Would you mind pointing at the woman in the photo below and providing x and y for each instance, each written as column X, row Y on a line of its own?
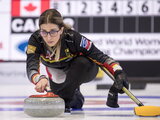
column 68, row 57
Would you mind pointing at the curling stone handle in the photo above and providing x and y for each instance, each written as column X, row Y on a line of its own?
column 47, row 95
column 49, row 92
column 48, row 89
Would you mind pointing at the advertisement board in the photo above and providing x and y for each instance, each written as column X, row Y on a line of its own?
column 131, row 33
column 126, row 34
column 19, row 46
column 126, row 47
column 5, row 36
column 127, row 30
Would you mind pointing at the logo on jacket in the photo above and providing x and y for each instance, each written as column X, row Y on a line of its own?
column 67, row 52
column 85, row 43
column 31, row 49
column 69, row 56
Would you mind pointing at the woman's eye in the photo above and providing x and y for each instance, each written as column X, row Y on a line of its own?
column 53, row 31
column 43, row 32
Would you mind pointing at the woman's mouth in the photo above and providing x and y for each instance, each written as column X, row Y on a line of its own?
column 50, row 42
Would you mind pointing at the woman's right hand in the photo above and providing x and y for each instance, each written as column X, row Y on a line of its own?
column 41, row 85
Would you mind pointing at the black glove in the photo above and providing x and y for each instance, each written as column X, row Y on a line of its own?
column 112, row 100
column 120, row 81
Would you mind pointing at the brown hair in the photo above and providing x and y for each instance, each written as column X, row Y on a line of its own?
column 52, row 16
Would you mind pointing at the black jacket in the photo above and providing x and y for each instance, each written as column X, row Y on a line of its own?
column 72, row 44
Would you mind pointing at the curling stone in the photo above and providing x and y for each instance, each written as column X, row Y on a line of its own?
column 48, row 105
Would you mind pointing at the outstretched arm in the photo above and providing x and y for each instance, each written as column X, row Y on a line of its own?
column 87, row 48
column 33, row 64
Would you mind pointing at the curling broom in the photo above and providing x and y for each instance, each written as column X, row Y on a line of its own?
column 141, row 110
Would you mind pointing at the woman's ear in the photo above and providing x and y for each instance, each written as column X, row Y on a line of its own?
column 61, row 31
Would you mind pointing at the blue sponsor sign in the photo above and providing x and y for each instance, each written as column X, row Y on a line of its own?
column 22, row 46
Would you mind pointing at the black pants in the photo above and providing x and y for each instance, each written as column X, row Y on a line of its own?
column 81, row 70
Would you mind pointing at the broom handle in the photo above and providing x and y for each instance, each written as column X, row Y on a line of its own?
column 139, row 103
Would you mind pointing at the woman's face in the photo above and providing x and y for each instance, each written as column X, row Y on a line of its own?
column 50, row 33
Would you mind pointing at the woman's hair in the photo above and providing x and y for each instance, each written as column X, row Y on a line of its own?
column 54, row 17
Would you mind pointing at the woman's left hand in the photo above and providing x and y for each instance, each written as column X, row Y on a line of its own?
column 121, row 81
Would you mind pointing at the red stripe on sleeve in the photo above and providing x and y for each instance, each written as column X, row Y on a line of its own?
column 15, row 8
column 109, row 68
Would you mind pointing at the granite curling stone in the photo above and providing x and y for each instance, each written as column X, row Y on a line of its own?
column 48, row 105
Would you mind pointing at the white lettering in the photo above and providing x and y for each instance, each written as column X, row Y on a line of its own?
column 17, row 25
column 142, row 52
column 119, row 42
column 24, row 25
column 148, row 42
column 29, row 25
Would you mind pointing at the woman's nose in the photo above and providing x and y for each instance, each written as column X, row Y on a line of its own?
column 49, row 37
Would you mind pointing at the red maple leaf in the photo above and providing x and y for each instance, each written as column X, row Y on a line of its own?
column 30, row 7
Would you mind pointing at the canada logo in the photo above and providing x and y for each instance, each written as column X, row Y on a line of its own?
column 29, row 8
